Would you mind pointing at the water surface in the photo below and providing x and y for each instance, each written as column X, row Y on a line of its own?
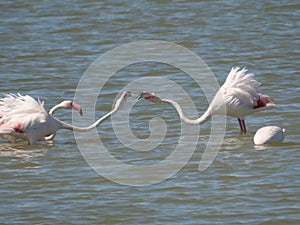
column 47, row 45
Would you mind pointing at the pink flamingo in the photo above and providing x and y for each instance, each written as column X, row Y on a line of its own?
column 12, row 103
column 30, row 121
column 241, row 97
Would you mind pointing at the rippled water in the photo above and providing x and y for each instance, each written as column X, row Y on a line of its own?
column 47, row 45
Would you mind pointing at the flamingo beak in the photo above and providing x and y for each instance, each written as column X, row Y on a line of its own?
column 124, row 96
column 77, row 108
column 127, row 94
column 148, row 96
column 139, row 97
column 143, row 94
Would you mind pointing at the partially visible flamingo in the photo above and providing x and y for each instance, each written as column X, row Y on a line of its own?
column 38, row 124
column 12, row 103
column 241, row 97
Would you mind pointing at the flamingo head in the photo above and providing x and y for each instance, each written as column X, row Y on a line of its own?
column 71, row 105
column 265, row 101
column 125, row 95
column 122, row 99
column 150, row 96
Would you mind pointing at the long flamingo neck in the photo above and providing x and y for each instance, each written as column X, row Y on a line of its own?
column 54, row 108
column 178, row 108
column 95, row 124
column 118, row 104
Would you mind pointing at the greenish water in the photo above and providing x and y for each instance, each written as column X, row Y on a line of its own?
column 46, row 47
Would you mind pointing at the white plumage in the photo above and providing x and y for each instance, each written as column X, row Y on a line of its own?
column 12, row 104
column 241, row 94
column 269, row 135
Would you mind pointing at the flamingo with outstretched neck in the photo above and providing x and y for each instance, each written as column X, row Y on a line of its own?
column 239, row 94
column 38, row 124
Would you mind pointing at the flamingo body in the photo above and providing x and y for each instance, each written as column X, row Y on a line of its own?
column 269, row 135
column 241, row 96
column 23, row 117
column 32, row 127
column 16, row 108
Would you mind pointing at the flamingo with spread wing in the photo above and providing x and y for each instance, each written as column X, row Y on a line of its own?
column 239, row 95
column 30, row 121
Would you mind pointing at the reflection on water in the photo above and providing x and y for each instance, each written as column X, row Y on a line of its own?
column 46, row 47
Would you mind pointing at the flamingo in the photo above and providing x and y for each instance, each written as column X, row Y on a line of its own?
column 269, row 135
column 10, row 102
column 33, row 123
column 241, row 97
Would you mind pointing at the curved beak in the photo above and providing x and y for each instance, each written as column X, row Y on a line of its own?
column 144, row 95
column 124, row 96
column 148, row 96
column 127, row 94
column 77, row 108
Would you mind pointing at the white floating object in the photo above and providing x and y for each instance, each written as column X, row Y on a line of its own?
column 269, row 135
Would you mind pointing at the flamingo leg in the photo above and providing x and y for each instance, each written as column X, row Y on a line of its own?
column 240, row 123
column 242, row 126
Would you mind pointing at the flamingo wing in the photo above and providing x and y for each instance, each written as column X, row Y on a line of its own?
column 12, row 104
column 241, row 89
column 242, row 86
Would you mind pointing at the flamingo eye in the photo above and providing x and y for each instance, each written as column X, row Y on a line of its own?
column 70, row 104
